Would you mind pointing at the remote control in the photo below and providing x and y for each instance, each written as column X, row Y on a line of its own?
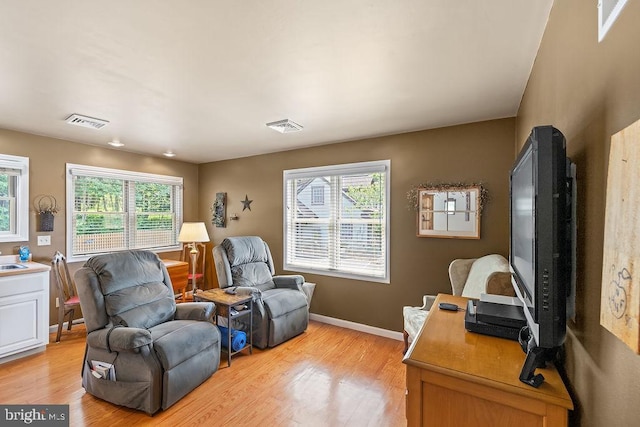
column 447, row 306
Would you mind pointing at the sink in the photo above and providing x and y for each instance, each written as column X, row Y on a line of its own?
column 12, row 266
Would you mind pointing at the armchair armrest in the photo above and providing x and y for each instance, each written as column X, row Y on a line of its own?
column 427, row 302
column 291, row 281
column 256, row 294
column 458, row 272
column 195, row 311
column 120, row 339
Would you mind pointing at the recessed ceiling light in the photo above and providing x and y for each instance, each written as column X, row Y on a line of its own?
column 285, row 126
column 86, row 121
column 169, row 153
column 115, row 143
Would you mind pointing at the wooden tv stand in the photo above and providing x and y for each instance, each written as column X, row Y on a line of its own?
column 458, row 378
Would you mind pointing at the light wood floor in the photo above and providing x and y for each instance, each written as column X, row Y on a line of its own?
column 328, row 376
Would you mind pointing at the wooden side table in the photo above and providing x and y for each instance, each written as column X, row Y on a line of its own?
column 225, row 304
column 460, row 378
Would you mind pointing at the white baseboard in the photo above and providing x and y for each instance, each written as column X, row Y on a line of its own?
column 356, row 326
column 312, row 316
column 54, row 328
column 22, row 354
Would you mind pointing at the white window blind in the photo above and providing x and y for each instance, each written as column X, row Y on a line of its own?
column 113, row 210
column 345, row 236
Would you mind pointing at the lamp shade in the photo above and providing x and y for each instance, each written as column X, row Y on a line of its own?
column 193, row 232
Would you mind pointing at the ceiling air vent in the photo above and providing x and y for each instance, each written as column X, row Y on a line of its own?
column 86, row 122
column 285, row 126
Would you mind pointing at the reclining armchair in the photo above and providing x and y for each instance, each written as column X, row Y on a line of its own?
column 280, row 303
column 469, row 278
column 160, row 351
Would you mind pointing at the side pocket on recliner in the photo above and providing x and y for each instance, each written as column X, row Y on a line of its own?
column 134, row 394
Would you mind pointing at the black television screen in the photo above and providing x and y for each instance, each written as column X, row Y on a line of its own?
column 523, row 223
column 540, row 237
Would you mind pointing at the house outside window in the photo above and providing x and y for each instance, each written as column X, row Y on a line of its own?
column 14, row 198
column 113, row 210
column 347, row 235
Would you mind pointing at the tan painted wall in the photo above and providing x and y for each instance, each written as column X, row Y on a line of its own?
column 480, row 152
column 589, row 91
column 47, row 160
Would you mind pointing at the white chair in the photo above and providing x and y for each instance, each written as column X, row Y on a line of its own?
column 469, row 278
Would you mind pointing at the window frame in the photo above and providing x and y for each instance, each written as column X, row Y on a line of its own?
column 21, row 214
column 127, row 176
column 378, row 166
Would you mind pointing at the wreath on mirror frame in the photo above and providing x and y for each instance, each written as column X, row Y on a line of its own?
column 412, row 195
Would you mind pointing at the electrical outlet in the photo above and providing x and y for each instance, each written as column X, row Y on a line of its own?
column 57, row 302
column 44, row 240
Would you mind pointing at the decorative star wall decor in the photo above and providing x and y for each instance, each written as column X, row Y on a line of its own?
column 246, row 203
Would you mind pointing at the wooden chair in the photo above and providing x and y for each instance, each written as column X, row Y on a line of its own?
column 199, row 271
column 68, row 300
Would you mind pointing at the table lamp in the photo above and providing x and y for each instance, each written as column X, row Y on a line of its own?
column 192, row 233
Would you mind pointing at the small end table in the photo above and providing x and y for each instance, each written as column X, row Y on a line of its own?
column 225, row 304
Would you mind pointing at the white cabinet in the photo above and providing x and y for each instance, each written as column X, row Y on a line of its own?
column 24, row 312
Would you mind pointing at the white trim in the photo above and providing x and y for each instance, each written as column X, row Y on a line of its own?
column 20, row 355
column 342, row 169
column 95, row 171
column 606, row 22
column 357, row 326
column 21, row 215
column 312, row 316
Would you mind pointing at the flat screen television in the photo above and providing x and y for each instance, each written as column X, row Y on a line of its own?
column 541, row 244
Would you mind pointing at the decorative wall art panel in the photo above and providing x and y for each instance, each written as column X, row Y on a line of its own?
column 219, row 210
column 620, row 298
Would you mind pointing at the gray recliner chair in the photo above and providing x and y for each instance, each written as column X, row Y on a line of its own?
column 160, row 351
column 281, row 303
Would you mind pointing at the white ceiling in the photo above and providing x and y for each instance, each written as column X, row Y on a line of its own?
column 202, row 77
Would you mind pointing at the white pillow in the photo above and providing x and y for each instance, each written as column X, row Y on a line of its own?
column 481, row 269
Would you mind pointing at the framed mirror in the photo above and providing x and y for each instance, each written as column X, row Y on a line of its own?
column 452, row 212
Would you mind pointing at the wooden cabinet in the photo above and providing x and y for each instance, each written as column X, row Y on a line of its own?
column 24, row 313
column 456, row 377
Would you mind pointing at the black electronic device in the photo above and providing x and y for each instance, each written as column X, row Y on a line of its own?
column 500, row 314
column 541, row 242
column 472, row 324
column 448, row 306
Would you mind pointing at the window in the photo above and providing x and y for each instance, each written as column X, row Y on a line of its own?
column 608, row 12
column 113, row 210
column 346, row 236
column 317, row 195
column 14, row 198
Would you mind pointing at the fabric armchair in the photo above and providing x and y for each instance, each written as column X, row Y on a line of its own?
column 160, row 351
column 280, row 303
column 470, row 278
